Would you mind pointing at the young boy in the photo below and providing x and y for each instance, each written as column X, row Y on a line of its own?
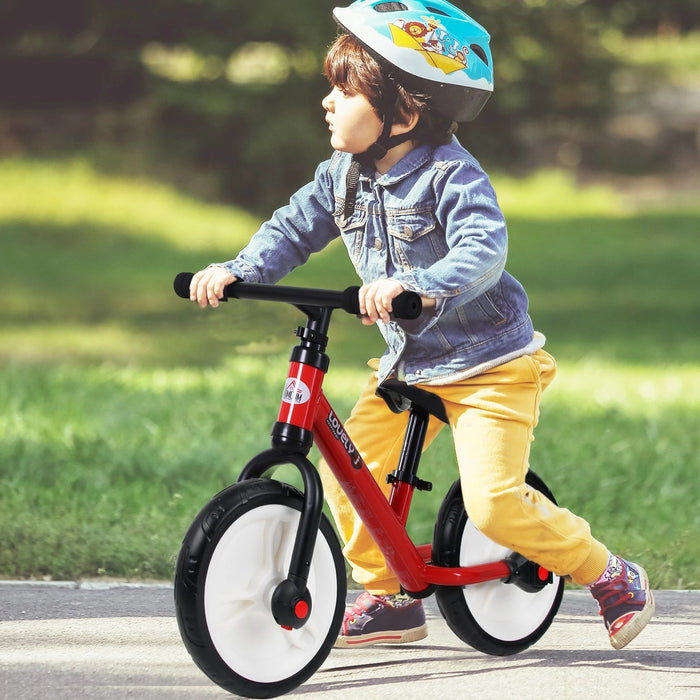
column 417, row 212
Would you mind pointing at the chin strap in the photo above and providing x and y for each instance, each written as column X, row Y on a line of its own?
column 377, row 150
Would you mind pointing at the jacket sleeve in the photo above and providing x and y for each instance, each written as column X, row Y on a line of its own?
column 293, row 233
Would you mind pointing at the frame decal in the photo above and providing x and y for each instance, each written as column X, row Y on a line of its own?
column 333, row 422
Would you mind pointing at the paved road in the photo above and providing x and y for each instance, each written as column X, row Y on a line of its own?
column 62, row 641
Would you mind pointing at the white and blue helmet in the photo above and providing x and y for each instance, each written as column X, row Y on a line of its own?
column 428, row 46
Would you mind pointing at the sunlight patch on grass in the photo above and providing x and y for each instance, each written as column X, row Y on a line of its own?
column 74, row 343
column 261, row 373
column 592, row 385
column 71, row 192
column 554, row 194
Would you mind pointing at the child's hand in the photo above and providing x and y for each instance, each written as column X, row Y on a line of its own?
column 207, row 286
column 376, row 298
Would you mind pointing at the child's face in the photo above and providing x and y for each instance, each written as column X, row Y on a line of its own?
column 352, row 121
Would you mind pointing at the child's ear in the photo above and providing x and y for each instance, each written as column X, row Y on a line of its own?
column 405, row 121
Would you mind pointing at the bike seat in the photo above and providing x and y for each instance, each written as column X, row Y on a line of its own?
column 399, row 397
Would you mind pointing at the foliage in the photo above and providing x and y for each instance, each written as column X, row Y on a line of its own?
column 671, row 16
column 159, row 81
column 662, row 60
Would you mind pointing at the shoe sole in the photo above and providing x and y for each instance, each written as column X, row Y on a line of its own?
column 622, row 638
column 387, row 637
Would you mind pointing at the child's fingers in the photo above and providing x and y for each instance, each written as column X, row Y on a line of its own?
column 376, row 299
column 207, row 286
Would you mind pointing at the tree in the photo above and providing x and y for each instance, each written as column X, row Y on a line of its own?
column 82, row 57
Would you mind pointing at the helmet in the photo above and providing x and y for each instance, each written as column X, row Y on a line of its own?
column 428, row 46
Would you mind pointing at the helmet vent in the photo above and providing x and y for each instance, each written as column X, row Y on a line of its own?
column 435, row 11
column 390, row 7
column 479, row 52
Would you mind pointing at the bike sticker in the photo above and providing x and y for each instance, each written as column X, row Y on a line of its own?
column 295, row 391
column 333, row 422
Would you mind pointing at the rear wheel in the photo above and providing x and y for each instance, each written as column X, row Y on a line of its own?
column 494, row 617
column 234, row 555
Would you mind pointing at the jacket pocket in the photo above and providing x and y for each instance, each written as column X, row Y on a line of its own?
column 410, row 225
column 357, row 219
column 418, row 241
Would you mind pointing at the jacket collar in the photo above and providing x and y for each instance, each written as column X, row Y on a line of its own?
column 411, row 162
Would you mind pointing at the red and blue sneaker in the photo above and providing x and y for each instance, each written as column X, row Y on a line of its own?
column 625, row 600
column 382, row 619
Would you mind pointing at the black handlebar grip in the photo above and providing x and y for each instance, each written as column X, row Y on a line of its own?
column 407, row 305
column 351, row 300
column 181, row 284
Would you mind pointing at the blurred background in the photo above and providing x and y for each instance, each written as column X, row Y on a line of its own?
column 141, row 139
column 223, row 96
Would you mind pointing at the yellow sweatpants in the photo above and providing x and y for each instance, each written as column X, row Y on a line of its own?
column 492, row 417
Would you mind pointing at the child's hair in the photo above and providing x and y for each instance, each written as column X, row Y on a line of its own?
column 353, row 69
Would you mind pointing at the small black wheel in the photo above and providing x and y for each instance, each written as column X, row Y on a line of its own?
column 234, row 555
column 493, row 617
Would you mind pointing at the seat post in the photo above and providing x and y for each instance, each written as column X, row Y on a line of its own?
column 404, row 479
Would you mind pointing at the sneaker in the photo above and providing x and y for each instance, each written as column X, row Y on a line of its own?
column 382, row 619
column 625, row 600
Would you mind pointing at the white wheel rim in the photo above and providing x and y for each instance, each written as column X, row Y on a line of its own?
column 250, row 560
column 504, row 611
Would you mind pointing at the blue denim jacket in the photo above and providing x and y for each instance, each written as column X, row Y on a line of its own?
column 432, row 223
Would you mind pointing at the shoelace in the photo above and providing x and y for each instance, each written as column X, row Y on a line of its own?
column 603, row 593
column 358, row 610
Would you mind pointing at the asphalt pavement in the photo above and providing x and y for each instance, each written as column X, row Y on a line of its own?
column 113, row 641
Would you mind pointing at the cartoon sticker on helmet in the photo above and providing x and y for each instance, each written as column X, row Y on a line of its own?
column 439, row 48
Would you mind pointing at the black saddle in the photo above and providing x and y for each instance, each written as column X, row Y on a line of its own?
column 400, row 396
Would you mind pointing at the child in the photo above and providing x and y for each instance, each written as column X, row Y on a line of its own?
column 417, row 212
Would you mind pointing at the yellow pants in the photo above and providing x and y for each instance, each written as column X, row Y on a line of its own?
column 492, row 417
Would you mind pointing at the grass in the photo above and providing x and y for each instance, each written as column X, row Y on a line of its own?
column 124, row 409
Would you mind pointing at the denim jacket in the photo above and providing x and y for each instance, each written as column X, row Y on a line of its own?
column 432, row 223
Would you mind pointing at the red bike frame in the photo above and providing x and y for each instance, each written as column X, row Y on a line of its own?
column 306, row 417
column 305, row 406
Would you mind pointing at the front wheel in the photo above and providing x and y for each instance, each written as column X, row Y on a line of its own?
column 493, row 617
column 234, row 555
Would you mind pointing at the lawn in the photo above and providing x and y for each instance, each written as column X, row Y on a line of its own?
column 124, row 408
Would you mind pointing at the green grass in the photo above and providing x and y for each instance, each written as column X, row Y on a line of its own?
column 124, row 408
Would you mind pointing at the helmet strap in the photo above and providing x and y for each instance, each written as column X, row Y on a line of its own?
column 381, row 146
column 378, row 149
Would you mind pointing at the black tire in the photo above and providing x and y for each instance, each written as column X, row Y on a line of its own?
column 493, row 617
column 233, row 556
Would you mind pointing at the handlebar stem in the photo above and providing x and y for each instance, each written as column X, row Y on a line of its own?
column 293, row 430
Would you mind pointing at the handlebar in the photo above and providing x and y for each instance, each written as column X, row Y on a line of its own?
column 407, row 305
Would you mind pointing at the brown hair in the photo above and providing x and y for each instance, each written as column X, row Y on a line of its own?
column 353, row 69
